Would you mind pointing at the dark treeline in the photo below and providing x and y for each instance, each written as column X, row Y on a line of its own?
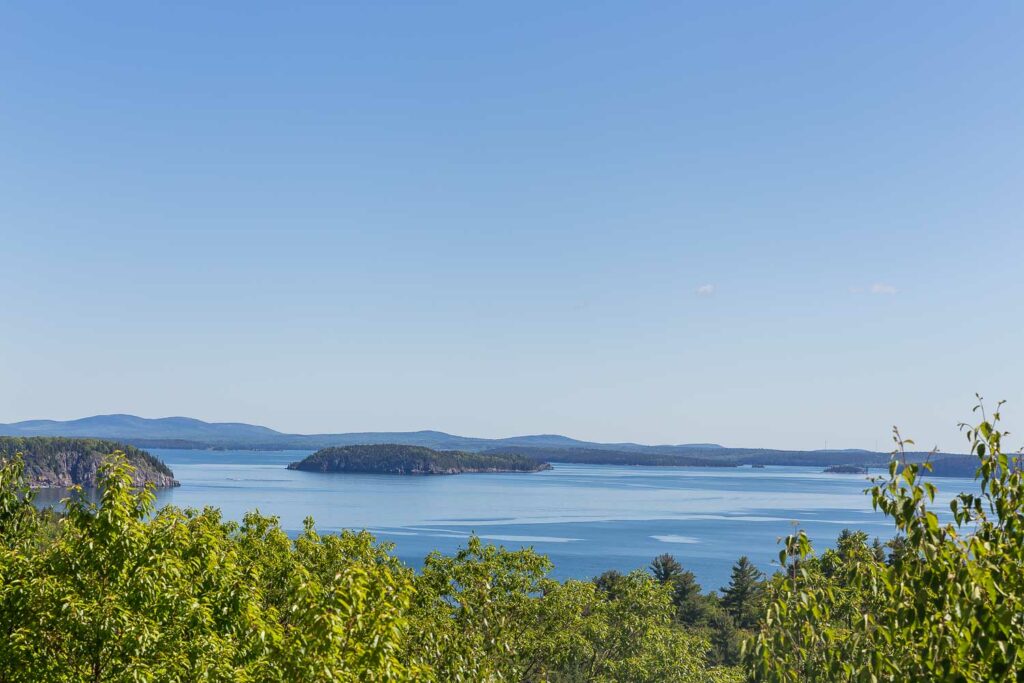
column 944, row 464
column 595, row 456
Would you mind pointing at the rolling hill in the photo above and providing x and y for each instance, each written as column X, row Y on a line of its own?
column 185, row 432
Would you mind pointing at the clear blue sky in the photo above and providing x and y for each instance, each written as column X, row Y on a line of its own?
column 769, row 224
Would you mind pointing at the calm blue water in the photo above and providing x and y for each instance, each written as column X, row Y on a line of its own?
column 586, row 518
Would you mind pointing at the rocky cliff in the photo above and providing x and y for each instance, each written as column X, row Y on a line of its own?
column 63, row 462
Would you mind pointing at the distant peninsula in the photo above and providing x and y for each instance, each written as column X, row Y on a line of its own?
column 399, row 459
column 57, row 462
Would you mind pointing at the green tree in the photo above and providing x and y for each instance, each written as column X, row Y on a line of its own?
column 488, row 613
column 878, row 549
column 665, row 568
column 18, row 520
column 726, row 640
column 471, row 610
column 692, row 607
column 741, row 597
column 586, row 635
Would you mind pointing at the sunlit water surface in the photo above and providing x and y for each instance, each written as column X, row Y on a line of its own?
column 586, row 518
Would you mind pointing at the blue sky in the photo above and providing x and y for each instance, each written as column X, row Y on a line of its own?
column 763, row 225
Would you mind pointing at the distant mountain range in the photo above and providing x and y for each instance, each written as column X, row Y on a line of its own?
column 186, row 432
column 189, row 432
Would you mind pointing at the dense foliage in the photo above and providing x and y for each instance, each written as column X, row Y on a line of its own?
column 946, row 604
column 61, row 461
column 603, row 456
column 399, row 459
column 118, row 591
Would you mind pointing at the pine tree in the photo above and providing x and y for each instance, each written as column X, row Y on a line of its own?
column 666, row 568
column 878, row 550
column 740, row 597
column 692, row 607
column 724, row 639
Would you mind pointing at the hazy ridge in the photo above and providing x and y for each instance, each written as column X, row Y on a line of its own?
column 190, row 433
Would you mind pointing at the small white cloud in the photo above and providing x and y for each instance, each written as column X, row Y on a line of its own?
column 881, row 288
column 705, row 290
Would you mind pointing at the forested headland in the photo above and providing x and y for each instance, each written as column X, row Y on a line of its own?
column 63, row 462
column 119, row 591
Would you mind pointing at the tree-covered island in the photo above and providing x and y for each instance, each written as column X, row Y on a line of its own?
column 398, row 459
column 845, row 469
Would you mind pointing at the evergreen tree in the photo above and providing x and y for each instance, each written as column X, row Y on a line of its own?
column 666, row 568
column 692, row 608
column 740, row 597
column 725, row 639
column 898, row 549
column 878, row 550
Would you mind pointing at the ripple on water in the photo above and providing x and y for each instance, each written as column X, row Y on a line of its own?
column 673, row 538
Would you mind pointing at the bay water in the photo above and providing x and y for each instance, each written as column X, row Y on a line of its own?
column 586, row 518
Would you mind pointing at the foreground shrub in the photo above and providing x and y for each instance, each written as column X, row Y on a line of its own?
column 946, row 605
column 125, row 594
